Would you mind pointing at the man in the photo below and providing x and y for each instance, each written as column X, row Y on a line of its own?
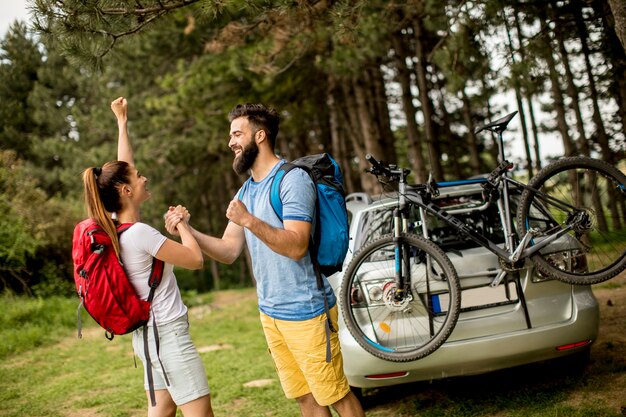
column 291, row 306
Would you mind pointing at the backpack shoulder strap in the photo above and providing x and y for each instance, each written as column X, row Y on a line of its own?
column 156, row 273
column 275, row 201
column 121, row 228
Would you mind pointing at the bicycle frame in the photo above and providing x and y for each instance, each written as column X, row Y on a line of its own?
column 420, row 196
column 509, row 253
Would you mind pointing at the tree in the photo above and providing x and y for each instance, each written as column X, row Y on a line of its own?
column 20, row 61
column 343, row 83
column 618, row 8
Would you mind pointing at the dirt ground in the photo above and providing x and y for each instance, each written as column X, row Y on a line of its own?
column 603, row 373
column 609, row 351
column 579, row 383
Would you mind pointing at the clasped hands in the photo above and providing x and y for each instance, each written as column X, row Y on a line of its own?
column 173, row 218
column 236, row 212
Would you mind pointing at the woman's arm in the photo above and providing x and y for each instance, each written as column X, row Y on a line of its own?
column 225, row 249
column 186, row 254
column 124, row 148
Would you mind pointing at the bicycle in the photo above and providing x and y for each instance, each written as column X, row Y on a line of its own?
column 401, row 295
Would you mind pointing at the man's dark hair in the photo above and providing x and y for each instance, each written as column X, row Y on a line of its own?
column 260, row 117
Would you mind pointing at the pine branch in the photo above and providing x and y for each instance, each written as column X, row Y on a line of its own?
column 143, row 11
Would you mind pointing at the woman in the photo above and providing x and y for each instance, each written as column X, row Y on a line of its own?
column 118, row 189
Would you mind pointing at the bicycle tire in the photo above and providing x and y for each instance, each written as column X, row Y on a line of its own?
column 418, row 325
column 594, row 250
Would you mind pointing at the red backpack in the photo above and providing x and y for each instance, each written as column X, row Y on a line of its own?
column 102, row 284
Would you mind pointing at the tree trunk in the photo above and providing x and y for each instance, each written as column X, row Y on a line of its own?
column 416, row 158
column 380, row 112
column 338, row 141
column 601, row 135
column 434, row 151
column 618, row 9
column 619, row 61
column 369, row 129
column 493, row 148
column 215, row 273
column 572, row 90
column 472, row 143
column 618, row 64
column 368, row 182
column 535, row 129
column 518, row 99
column 528, row 95
column 557, row 94
column 445, row 139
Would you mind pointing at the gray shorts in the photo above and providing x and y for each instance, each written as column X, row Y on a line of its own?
column 181, row 360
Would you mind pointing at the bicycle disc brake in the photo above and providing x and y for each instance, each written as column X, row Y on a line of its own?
column 390, row 299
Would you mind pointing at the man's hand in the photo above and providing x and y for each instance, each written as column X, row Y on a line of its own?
column 174, row 216
column 238, row 213
column 120, row 108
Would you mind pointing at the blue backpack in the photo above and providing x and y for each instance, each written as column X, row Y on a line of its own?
column 329, row 240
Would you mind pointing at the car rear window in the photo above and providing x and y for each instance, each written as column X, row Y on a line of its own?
column 469, row 208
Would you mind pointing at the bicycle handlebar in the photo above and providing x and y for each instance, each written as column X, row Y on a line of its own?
column 377, row 167
column 388, row 170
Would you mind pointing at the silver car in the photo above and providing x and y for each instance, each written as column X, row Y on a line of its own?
column 526, row 318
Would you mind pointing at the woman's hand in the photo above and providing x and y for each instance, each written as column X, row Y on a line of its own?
column 124, row 148
column 174, row 216
column 120, row 108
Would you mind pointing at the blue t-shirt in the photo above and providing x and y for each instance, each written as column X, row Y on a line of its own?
column 287, row 289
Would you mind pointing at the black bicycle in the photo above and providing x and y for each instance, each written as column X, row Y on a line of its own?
column 401, row 295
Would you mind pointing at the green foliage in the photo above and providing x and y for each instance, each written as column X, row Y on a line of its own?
column 182, row 70
column 19, row 63
column 33, row 228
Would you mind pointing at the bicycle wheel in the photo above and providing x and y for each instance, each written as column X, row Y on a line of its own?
column 585, row 199
column 407, row 329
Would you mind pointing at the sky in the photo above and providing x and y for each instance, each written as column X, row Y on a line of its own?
column 11, row 10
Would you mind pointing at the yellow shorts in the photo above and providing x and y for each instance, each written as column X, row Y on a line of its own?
column 299, row 352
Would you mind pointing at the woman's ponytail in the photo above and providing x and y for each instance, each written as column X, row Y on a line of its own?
column 102, row 196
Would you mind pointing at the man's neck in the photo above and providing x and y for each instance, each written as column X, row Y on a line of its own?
column 263, row 166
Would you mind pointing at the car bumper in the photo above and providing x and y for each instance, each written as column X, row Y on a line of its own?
column 469, row 356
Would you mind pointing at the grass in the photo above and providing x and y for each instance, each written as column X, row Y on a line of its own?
column 52, row 373
column 47, row 371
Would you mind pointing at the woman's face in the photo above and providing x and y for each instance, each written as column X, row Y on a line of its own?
column 138, row 185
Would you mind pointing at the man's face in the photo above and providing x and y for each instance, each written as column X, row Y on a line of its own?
column 243, row 144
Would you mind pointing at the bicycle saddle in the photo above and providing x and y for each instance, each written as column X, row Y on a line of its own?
column 499, row 125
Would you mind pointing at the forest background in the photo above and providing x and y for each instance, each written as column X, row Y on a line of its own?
column 407, row 81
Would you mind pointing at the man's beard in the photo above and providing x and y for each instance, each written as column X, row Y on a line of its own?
column 244, row 162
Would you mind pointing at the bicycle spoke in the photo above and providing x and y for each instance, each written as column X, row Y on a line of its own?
column 406, row 327
column 592, row 203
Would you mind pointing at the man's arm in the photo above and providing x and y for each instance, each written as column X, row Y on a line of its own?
column 225, row 249
column 292, row 241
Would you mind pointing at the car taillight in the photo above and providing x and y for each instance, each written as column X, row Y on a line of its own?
column 574, row 345
column 388, row 376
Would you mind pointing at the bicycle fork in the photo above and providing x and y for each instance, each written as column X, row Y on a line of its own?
column 402, row 258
